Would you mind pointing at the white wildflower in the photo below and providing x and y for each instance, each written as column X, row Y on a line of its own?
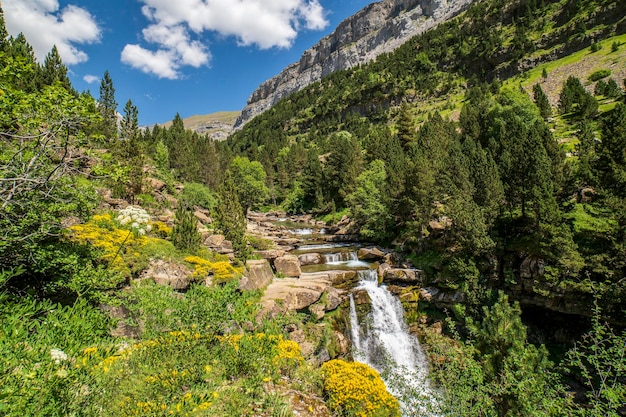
column 58, row 355
column 137, row 217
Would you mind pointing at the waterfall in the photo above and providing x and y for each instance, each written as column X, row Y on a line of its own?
column 355, row 331
column 336, row 258
column 388, row 347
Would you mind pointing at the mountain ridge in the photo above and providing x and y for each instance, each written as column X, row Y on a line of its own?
column 378, row 28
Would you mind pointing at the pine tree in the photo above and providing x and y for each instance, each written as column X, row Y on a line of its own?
column 541, row 100
column 4, row 34
column 185, row 235
column 612, row 151
column 406, row 126
column 54, row 70
column 108, row 107
column 130, row 121
column 230, row 218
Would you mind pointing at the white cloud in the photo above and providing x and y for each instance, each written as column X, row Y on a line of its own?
column 90, row 79
column 44, row 25
column 160, row 63
column 265, row 24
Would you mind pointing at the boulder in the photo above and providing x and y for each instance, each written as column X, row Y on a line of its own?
column 258, row 275
column 318, row 310
column 382, row 268
column 270, row 254
column 310, row 259
column 215, row 240
column 202, row 216
column 371, row 254
column 288, row 265
column 402, row 276
column 175, row 275
column 153, row 184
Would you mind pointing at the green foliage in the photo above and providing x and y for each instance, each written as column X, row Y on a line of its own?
column 249, row 179
column 195, row 194
column 597, row 361
column 230, row 217
column 185, row 235
column 39, row 344
column 542, row 101
column 108, row 108
column 517, row 372
column 598, row 75
column 369, row 203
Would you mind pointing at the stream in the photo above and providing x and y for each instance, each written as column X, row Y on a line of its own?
column 381, row 339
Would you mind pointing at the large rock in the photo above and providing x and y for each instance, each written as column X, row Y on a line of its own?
column 270, row 254
column 175, row 275
column 288, row 265
column 310, row 259
column 402, row 276
column 258, row 275
column 293, row 294
column 371, row 254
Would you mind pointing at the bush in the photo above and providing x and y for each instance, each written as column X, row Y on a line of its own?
column 196, row 194
column 355, row 389
column 598, row 75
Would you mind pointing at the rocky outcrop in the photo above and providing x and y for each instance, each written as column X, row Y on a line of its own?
column 288, row 266
column 403, row 276
column 293, row 294
column 258, row 275
column 175, row 275
column 379, row 28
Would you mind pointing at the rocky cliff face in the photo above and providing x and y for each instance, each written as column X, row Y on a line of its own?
column 378, row 28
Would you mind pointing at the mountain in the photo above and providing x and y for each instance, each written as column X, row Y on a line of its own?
column 216, row 125
column 379, row 28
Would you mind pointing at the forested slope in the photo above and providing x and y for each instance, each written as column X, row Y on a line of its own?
column 450, row 148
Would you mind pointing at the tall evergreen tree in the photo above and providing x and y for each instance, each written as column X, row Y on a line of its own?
column 185, row 235
column 229, row 216
column 108, row 107
column 54, row 70
column 130, row 121
column 405, row 125
column 4, row 34
column 612, row 151
column 541, row 100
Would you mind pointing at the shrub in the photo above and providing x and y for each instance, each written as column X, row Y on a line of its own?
column 598, row 75
column 196, row 194
column 357, row 390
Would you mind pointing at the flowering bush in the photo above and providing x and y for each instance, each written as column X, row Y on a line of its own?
column 357, row 390
column 137, row 218
column 222, row 269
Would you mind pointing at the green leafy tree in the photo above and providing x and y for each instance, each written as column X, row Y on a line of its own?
column 108, row 107
column 37, row 165
column 249, row 179
column 369, row 203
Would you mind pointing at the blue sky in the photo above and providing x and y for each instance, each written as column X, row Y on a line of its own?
column 169, row 56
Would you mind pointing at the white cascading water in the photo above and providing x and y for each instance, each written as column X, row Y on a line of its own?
column 336, row 258
column 384, row 343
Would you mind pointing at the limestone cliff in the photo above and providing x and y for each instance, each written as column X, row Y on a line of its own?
column 378, row 28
